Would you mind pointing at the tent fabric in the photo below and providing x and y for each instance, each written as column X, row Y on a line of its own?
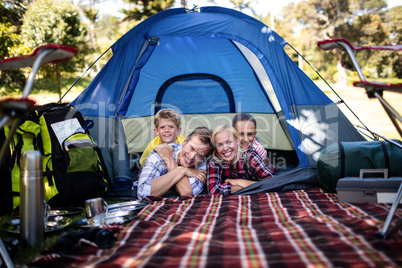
column 149, row 47
column 296, row 179
column 210, row 65
column 112, row 146
column 270, row 133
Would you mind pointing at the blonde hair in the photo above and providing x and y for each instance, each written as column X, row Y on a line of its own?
column 221, row 129
column 167, row 113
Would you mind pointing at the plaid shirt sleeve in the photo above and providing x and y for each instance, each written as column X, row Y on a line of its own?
column 196, row 184
column 215, row 183
column 154, row 167
column 256, row 166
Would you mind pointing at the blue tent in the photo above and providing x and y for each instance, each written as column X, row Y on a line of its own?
column 210, row 65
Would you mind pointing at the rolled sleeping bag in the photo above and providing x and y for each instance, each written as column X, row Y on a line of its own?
column 346, row 159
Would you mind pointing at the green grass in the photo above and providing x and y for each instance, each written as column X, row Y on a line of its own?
column 50, row 86
column 44, row 87
column 25, row 253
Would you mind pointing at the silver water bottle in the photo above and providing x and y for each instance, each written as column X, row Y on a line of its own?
column 32, row 220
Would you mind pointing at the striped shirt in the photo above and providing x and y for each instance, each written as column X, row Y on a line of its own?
column 155, row 167
column 259, row 149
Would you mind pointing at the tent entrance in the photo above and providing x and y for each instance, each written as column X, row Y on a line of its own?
column 292, row 113
column 196, row 93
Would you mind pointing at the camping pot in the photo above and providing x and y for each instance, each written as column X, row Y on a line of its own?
column 32, row 204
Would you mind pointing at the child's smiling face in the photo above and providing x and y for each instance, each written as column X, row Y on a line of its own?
column 167, row 131
column 247, row 132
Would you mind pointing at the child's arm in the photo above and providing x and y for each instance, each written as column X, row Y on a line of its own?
column 266, row 161
column 183, row 187
column 165, row 151
column 160, row 185
column 257, row 166
column 152, row 183
column 263, row 153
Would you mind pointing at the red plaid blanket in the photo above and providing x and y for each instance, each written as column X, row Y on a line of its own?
column 293, row 229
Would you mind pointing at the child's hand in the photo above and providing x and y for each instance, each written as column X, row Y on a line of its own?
column 165, row 151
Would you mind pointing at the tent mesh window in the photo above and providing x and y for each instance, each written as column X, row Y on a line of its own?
column 196, row 91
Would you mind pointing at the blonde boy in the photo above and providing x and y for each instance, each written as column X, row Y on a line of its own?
column 167, row 129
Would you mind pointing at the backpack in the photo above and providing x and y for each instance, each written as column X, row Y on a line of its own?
column 6, row 198
column 73, row 168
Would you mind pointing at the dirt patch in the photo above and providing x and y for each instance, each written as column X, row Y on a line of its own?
column 369, row 111
column 52, row 97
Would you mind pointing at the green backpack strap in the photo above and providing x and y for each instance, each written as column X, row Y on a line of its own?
column 25, row 139
column 104, row 168
column 6, row 193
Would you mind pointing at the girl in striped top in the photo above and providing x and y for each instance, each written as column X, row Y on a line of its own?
column 246, row 126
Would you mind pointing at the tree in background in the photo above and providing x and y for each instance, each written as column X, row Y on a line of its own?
column 145, row 8
column 286, row 27
column 393, row 21
column 92, row 14
column 359, row 21
column 109, row 30
column 103, row 30
column 11, row 13
column 242, row 5
column 56, row 22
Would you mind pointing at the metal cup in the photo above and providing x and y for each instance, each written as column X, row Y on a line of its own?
column 95, row 210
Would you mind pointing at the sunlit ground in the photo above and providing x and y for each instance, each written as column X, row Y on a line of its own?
column 369, row 111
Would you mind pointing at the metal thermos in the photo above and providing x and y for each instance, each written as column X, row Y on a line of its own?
column 32, row 220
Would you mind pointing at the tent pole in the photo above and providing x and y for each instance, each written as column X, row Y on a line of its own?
column 347, row 106
column 79, row 78
column 140, row 54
